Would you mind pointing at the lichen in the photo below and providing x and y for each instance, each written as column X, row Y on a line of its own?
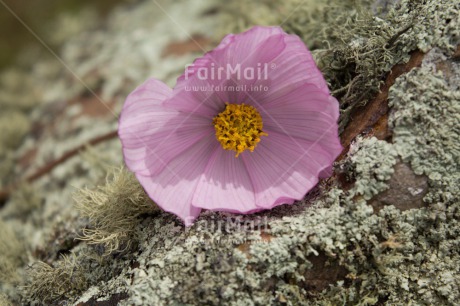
column 148, row 257
column 68, row 277
column 4, row 301
column 6, row 167
column 12, row 253
column 12, row 93
column 427, row 133
column 239, row 15
column 356, row 48
column 47, row 283
column 419, row 261
column 14, row 126
column 373, row 162
column 24, row 201
column 113, row 211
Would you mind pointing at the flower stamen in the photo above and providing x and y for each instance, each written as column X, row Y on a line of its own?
column 239, row 128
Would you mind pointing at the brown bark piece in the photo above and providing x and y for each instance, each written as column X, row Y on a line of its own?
column 374, row 113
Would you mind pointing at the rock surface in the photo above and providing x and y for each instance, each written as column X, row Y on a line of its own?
column 406, row 190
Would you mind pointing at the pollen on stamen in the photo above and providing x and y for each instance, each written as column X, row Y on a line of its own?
column 239, row 128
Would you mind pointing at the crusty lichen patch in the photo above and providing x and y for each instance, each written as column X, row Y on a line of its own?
column 425, row 124
column 418, row 262
column 373, row 162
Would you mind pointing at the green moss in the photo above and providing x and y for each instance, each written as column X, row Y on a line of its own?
column 113, row 211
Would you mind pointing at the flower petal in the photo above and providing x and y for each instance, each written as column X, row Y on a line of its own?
column 293, row 67
column 173, row 188
column 168, row 136
column 219, row 75
column 284, row 169
column 151, row 134
column 235, row 49
column 225, row 185
column 305, row 113
column 326, row 172
column 301, row 145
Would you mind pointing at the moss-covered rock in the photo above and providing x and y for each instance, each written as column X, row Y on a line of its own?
column 337, row 246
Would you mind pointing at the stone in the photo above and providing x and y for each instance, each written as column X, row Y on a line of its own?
column 406, row 190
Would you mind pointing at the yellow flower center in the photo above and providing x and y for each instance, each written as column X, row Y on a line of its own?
column 239, row 128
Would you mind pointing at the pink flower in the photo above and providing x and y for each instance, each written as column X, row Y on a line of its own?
column 249, row 126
